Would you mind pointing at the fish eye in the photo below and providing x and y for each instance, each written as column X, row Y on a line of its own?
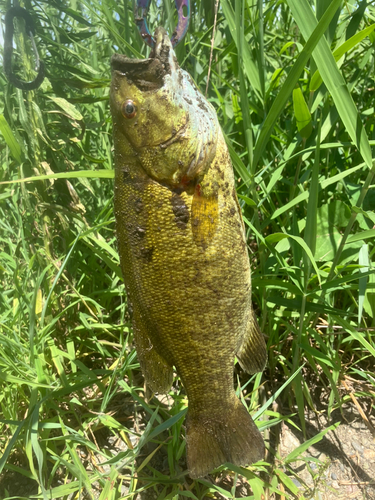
column 129, row 109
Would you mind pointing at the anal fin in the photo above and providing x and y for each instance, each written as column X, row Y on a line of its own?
column 158, row 373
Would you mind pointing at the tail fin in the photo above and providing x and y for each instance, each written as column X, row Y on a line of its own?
column 230, row 436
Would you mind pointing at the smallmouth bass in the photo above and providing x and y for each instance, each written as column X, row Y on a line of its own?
column 183, row 253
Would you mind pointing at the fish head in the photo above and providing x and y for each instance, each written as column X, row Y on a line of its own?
column 160, row 117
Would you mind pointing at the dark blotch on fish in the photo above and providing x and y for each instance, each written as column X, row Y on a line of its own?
column 140, row 232
column 180, row 211
column 138, row 205
column 146, row 253
column 126, row 176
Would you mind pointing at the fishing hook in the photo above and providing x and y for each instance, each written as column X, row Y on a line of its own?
column 8, row 49
column 140, row 14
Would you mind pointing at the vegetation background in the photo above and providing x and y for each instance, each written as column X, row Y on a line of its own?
column 293, row 85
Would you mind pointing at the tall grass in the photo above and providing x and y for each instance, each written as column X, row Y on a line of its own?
column 292, row 83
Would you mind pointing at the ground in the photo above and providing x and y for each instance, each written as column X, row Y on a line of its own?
column 348, row 455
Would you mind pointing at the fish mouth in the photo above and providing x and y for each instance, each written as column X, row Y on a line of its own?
column 148, row 74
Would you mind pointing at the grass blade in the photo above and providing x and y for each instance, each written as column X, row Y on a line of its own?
column 291, row 80
column 9, row 138
column 332, row 77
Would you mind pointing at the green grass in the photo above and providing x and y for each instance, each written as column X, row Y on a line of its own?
column 294, row 95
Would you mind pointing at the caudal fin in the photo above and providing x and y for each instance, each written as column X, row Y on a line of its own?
column 230, row 436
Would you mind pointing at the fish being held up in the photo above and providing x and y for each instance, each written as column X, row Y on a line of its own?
column 183, row 253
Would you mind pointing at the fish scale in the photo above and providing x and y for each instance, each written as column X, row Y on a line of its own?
column 183, row 253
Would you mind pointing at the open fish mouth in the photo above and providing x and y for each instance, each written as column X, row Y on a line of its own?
column 148, row 74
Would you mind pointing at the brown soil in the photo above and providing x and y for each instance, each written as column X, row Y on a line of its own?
column 346, row 454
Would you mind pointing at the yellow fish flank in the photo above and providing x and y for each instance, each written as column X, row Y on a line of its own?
column 183, row 253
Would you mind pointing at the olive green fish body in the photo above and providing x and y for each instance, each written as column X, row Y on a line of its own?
column 183, row 253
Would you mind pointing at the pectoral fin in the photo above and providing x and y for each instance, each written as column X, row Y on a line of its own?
column 204, row 217
column 252, row 355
